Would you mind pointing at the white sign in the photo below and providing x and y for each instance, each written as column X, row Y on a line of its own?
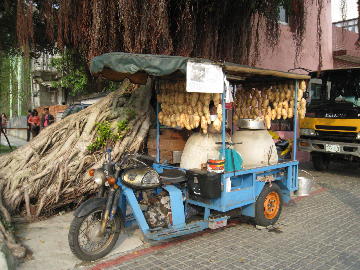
column 332, row 148
column 204, row 78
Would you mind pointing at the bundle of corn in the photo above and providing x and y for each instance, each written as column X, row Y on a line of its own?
column 276, row 102
column 187, row 110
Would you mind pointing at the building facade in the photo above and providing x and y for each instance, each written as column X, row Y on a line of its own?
column 43, row 74
column 345, row 51
column 283, row 56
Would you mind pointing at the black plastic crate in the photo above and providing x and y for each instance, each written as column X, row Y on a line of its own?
column 204, row 184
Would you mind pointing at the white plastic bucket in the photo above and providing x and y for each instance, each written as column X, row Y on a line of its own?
column 305, row 185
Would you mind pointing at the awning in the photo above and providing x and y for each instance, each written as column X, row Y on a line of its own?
column 137, row 67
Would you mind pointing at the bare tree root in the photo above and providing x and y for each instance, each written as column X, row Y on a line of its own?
column 6, row 232
column 52, row 167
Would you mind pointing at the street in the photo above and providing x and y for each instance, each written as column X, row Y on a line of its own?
column 317, row 232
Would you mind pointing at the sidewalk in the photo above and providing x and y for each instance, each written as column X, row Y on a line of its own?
column 48, row 240
column 14, row 141
column 319, row 232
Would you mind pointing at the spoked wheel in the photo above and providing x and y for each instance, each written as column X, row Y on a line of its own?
column 268, row 205
column 85, row 239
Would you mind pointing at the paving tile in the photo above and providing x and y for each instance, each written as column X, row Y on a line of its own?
column 319, row 232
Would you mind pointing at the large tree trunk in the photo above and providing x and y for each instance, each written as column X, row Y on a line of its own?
column 50, row 171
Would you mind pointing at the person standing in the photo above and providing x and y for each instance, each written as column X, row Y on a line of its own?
column 4, row 121
column 34, row 121
column 47, row 119
column 28, row 130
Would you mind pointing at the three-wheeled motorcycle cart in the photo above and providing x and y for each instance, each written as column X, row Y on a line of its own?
column 257, row 192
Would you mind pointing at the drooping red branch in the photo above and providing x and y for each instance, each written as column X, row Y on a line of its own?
column 319, row 32
column 219, row 30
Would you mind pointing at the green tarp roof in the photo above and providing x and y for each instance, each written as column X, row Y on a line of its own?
column 137, row 67
column 118, row 66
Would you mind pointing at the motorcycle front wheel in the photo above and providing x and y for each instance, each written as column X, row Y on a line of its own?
column 84, row 239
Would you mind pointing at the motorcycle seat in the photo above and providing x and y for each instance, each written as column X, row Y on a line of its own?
column 172, row 176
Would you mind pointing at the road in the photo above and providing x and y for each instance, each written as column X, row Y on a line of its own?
column 317, row 232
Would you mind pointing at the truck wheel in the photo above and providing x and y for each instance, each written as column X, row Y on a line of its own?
column 320, row 161
column 268, row 205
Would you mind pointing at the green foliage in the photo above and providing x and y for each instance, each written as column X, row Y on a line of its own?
column 107, row 135
column 15, row 84
column 6, row 149
column 73, row 74
column 111, row 86
column 122, row 125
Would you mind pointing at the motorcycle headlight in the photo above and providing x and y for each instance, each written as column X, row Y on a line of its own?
column 307, row 132
column 151, row 178
column 99, row 177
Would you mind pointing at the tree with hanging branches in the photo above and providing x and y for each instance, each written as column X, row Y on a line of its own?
column 50, row 171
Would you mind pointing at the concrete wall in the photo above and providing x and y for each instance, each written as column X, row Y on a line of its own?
column 19, row 125
column 46, row 96
column 282, row 57
column 344, row 40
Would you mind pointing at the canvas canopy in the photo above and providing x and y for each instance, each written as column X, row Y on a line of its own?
column 137, row 67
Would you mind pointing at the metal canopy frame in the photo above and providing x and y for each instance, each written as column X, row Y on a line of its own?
column 269, row 75
column 139, row 67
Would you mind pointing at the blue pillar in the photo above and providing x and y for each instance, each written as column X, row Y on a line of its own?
column 157, row 124
column 295, row 119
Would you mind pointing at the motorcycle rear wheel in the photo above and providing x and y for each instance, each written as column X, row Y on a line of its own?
column 87, row 227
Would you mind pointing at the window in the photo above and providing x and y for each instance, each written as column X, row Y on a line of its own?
column 315, row 91
column 283, row 15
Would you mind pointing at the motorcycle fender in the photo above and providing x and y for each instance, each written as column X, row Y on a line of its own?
column 86, row 207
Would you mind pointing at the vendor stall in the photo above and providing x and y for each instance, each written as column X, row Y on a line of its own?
column 230, row 160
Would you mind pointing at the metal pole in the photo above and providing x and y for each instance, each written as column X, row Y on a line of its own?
column 157, row 123
column 295, row 119
column 223, row 131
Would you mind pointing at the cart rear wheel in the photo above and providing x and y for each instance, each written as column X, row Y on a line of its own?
column 268, row 205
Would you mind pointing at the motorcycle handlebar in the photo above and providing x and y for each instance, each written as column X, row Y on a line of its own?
column 136, row 156
column 145, row 157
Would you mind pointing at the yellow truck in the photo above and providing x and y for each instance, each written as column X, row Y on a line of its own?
column 331, row 127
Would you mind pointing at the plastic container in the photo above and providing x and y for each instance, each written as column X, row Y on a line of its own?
column 216, row 166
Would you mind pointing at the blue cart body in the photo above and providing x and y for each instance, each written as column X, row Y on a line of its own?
column 246, row 185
